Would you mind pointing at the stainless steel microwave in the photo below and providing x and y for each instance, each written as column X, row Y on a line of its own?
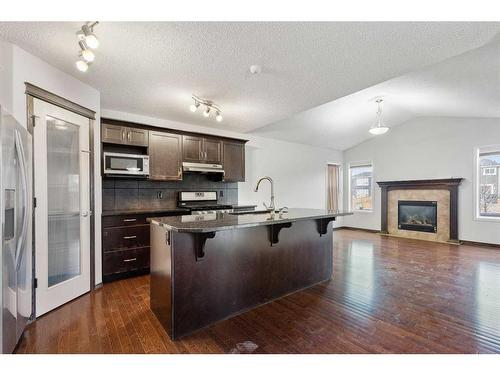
column 126, row 165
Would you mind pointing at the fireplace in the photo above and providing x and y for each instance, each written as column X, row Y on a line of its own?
column 420, row 216
column 444, row 191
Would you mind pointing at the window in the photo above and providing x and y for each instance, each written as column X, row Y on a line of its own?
column 489, row 171
column 488, row 184
column 360, row 180
column 363, row 181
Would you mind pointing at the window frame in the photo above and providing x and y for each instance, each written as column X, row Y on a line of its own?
column 477, row 184
column 370, row 185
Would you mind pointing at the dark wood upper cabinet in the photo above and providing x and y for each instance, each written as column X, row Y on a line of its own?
column 201, row 150
column 113, row 134
column 212, row 149
column 234, row 161
column 137, row 137
column 123, row 135
column 192, row 148
column 167, row 149
column 165, row 156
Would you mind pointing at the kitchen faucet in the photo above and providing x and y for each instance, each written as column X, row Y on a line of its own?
column 271, row 206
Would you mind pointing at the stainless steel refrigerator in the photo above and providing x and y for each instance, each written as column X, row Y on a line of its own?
column 16, row 206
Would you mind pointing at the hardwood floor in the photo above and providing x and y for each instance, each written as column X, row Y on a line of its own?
column 388, row 295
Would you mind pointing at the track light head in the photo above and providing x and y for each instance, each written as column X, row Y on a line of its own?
column 82, row 65
column 193, row 107
column 206, row 112
column 88, row 35
column 86, row 54
column 218, row 117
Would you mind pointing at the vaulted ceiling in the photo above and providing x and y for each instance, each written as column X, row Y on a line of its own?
column 317, row 83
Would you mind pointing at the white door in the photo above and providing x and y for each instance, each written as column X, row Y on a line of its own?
column 62, row 214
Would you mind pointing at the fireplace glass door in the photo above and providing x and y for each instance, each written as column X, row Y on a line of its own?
column 418, row 216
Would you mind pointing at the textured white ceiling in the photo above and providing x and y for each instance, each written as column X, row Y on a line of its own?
column 153, row 68
column 463, row 86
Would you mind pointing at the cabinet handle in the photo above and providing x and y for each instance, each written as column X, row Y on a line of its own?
column 123, row 134
column 130, row 260
column 179, row 171
column 129, row 220
column 129, row 237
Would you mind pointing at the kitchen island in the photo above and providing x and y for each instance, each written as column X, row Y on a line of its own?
column 206, row 268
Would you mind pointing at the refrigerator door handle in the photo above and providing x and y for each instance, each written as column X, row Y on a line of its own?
column 24, row 179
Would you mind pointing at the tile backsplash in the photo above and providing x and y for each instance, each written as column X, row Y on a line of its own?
column 128, row 194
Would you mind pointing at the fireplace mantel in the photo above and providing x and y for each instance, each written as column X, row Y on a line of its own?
column 450, row 184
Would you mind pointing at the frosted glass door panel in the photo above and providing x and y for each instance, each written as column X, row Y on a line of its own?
column 63, row 193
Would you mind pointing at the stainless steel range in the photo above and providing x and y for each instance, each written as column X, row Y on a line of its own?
column 202, row 202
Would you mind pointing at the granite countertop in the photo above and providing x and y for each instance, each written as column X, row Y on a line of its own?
column 243, row 206
column 166, row 210
column 149, row 211
column 225, row 221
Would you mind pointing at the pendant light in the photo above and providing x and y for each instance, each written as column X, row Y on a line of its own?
column 379, row 127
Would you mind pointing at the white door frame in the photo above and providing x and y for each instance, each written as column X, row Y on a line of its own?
column 48, row 298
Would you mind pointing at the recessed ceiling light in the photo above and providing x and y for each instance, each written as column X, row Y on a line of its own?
column 255, row 69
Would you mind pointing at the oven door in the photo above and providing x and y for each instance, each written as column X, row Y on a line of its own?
column 126, row 164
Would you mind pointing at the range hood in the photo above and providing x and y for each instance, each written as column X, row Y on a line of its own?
column 203, row 168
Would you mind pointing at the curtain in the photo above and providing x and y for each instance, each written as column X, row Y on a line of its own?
column 333, row 186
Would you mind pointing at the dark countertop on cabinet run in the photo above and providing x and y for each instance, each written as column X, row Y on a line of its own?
column 165, row 210
column 226, row 221
column 139, row 212
column 243, row 206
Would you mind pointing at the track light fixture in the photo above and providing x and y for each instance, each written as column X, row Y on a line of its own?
column 87, row 41
column 209, row 106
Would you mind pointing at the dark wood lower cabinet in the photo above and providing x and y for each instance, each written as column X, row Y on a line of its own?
column 125, row 245
column 121, row 261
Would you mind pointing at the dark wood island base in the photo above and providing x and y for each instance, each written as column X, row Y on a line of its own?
column 199, row 278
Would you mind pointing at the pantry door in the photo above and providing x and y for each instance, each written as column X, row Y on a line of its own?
column 62, row 213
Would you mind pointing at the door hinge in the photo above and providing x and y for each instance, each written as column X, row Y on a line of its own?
column 35, row 283
column 34, row 202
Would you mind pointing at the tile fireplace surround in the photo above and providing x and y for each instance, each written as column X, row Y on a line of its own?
column 443, row 191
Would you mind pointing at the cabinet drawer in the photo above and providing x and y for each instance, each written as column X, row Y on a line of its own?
column 125, row 237
column 123, row 220
column 125, row 260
